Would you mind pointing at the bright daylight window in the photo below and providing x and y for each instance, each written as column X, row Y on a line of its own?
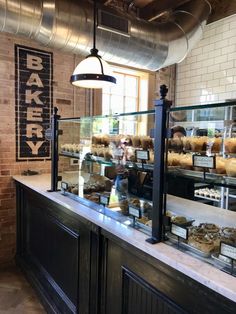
column 130, row 94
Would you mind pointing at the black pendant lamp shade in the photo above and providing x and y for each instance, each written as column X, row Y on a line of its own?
column 93, row 71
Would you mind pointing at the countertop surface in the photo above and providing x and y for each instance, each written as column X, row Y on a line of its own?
column 196, row 269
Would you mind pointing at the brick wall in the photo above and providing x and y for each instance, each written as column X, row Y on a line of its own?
column 70, row 101
column 208, row 74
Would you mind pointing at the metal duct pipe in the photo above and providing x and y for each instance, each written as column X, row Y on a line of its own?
column 68, row 25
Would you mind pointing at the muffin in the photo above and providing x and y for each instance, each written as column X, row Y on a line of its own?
column 146, row 142
column 214, row 144
column 186, row 161
column 220, row 166
column 124, row 206
column 186, row 143
column 175, row 144
column 136, row 141
column 198, row 144
column 230, row 145
column 230, row 166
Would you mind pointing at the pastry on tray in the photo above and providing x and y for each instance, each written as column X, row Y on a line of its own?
column 230, row 145
column 202, row 243
column 230, row 166
column 179, row 220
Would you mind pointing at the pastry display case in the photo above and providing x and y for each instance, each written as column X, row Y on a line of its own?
column 106, row 162
column 168, row 172
column 201, row 167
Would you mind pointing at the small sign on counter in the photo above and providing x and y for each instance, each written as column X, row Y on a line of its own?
column 179, row 231
column 134, row 211
column 119, row 152
column 204, row 161
column 104, row 199
column 228, row 250
column 142, row 154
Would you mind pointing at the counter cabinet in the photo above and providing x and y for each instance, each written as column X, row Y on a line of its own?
column 77, row 266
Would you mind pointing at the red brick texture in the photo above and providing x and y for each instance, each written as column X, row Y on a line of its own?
column 70, row 101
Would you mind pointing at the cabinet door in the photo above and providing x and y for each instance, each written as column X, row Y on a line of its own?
column 135, row 283
column 133, row 286
column 59, row 253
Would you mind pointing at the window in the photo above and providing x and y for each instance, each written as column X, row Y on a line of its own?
column 128, row 95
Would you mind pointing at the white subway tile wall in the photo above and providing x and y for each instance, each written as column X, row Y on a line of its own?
column 208, row 74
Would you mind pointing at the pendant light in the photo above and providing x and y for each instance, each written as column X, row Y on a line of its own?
column 93, row 72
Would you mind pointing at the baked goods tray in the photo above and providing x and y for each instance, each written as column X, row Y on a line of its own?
column 189, row 247
column 196, row 174
column 70, row 154
column 230, row 180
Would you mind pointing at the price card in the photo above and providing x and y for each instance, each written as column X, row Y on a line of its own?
column 204, row 161
column 179, row 231
column 104, row 199
column 134, row 211
column 64, row 185
column 228, row 250
column 142, row 154
column 119, row 152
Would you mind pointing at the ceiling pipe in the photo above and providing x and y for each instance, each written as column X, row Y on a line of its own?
column 68, row 26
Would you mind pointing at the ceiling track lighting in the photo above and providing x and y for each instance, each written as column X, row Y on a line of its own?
column 93, row 71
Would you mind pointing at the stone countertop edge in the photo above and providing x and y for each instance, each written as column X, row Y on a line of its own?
column 198, row 270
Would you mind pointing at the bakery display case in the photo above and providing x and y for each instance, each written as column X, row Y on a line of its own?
column 106, row 162
column 210, row 131
column 201, row 167
column 168, row 172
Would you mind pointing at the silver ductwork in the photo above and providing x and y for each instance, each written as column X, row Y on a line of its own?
column 68, row 26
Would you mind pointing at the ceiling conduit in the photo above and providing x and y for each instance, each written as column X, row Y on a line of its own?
column 122, row 39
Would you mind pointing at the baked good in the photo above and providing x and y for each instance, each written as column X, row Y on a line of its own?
column 75, row 190
column 146, row 142
column 214, row 144
column 135, row 202
column 230, row 145
column 186, row 143
column 220, row 166
column 179, row 220
column 174, row 159
column 175, row 144
column 201, row 243
column 198, row 144
column 230, row 166
column 209, row 227
column 229, row 232
column 186, row 161
column 105, row 140
column 136, row 141
column 124, row 206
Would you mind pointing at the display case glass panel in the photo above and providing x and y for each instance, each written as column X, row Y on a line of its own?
column 106, row 162
column 201, row 167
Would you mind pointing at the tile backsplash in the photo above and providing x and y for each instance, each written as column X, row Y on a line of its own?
column 208, row 74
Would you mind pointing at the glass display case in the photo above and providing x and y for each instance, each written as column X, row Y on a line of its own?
column 201, row 167
column 107, row 163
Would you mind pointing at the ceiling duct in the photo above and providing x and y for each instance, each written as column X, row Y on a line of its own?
column 68, row 25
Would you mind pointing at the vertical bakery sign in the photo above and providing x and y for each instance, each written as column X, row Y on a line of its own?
column 33, row 102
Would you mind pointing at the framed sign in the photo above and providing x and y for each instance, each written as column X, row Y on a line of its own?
column 134, row 211
column 142, row 154
column 104, row 199
column 34, row 102
column 228, row 250
column 179, row 231
column 204, row 161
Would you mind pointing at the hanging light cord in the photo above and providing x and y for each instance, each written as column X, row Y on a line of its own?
column 94, row 51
